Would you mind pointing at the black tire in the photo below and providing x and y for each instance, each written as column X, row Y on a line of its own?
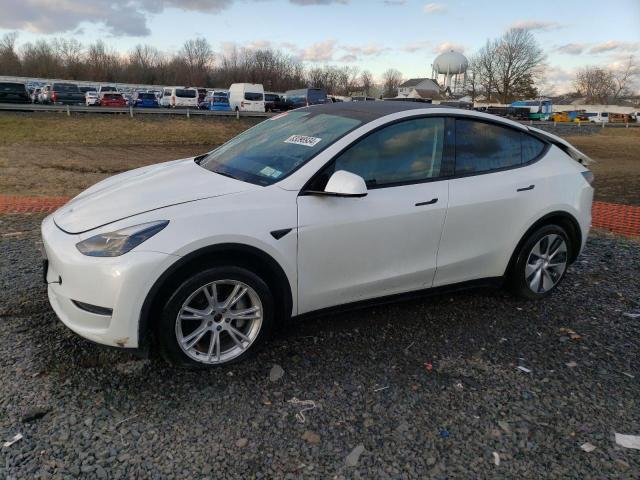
column 516, row 278
column 166, row 328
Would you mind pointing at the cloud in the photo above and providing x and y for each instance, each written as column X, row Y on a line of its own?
column 394, row 3
column 434, row 8
column 319, row 52
column 447, row 46
column 541, row 25
column 572, row 48
column 416, row 46
column 306, row 3
column 348, row 58
column 119, row 17
column 615, row 46
column 258, row 44
column 365, row 50
column 49, row 16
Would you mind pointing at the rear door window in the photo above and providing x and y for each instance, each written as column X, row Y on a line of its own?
column 531, row 147
column 482, row 147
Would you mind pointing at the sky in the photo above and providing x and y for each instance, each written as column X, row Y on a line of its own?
column 370, row 34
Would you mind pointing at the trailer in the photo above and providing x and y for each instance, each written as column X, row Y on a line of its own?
column 540, row 109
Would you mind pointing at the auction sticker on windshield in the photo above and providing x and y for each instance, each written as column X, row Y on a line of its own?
column 303, row 140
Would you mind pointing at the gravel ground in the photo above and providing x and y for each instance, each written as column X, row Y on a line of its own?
column 427, row 389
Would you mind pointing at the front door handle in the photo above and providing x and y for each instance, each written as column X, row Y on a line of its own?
column 530, row 187
column 430, row 202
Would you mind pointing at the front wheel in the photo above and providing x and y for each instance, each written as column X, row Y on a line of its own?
column 219, row 316
column 541, row 263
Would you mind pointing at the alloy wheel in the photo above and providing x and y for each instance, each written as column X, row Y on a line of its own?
column 219, row 321
column 546, row 263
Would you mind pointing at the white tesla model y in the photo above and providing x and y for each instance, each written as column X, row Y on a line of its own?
column 317, row 208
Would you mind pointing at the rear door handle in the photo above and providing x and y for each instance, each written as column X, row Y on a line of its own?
column 530, row 187
column 430, row 202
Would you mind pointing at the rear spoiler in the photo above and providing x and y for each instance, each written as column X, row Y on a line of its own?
column 563, row 145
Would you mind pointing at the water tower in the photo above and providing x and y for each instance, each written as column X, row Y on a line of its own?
column 453, row 66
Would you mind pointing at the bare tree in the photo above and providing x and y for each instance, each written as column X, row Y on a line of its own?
column 486, row 68
column 9, row 59
column 473, row 77
column 518, row 58
column 391, row 80
column 70, row 54
column 366, row 79
column 103, row 64
column 595, row 83
column 198, row 57
column 144, row 63
column 624, row 78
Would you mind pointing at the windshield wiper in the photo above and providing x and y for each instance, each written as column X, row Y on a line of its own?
column 225, row 174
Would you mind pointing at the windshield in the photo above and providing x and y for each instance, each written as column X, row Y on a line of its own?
column 273, row 149
column 12, row 87
column 65, row 87
column 184, row 93
column 253, row 96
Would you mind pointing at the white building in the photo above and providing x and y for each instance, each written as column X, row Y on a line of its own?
column 419, row 88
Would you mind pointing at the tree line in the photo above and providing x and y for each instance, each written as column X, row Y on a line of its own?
column 195, row 64
column 506, row 68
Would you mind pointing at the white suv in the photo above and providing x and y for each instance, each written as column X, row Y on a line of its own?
column 315, row 208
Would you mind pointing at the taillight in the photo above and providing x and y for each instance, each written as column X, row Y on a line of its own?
column 54, row 96
column 242, row 104
column 588, row 176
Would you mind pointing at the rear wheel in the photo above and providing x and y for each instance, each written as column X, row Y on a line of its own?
column 541, row 263
column 216, row 317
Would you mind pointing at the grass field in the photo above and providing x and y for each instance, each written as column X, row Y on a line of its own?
column 59, row 155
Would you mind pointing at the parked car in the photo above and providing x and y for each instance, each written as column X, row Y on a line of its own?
column 111, row 99
column 246, row 97
column 216, row 101
column 202, row 93
column 62, row 93
column 41, row 96
column 321, row 207
column 34, row 94
column 86, row 88
column 107, row 88
column 305, row 97
column 91, row 98
column 175, row 97
column 274, row 102
column 13, row 92
column 144, row 100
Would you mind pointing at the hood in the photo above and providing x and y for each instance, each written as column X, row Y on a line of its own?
column 142, row 190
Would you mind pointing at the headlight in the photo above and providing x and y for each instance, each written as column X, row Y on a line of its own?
column 114, row 244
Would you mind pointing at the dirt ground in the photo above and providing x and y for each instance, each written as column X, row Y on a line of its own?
column 58, row 156
column 617, row 168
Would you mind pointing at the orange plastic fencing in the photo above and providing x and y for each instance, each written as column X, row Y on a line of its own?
column 620, row 219
column 22, row 204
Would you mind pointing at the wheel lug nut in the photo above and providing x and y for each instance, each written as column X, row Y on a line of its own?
column 218, row 328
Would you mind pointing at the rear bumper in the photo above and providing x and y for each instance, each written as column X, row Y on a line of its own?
column 119, row 284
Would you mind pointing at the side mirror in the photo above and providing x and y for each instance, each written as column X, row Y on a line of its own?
column 346, row 184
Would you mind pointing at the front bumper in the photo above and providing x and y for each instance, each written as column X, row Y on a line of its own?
column 117, row 283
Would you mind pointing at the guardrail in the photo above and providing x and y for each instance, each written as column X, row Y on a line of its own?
column 131, row 111
column 188, row 112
